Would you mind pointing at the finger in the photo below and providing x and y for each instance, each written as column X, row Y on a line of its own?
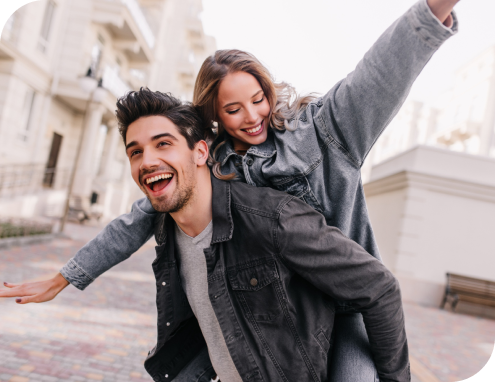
column 10, row 285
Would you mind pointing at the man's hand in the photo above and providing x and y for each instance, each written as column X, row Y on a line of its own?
column 442, row 9
column 40, row 291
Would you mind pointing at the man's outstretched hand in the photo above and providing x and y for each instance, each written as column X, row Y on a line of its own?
column 40, row 291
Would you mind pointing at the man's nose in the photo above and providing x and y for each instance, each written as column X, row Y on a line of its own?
column 149, row 161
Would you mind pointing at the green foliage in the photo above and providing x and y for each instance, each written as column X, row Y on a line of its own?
column 19, row 228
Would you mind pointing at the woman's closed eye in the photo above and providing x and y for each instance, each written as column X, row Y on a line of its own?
column 232, row 111
column 259, row 101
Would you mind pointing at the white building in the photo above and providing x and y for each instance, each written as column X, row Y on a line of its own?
column 45, row 49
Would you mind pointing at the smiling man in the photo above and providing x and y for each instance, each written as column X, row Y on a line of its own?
column 247, row 277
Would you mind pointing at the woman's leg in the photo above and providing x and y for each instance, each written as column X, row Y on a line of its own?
column 351, row 356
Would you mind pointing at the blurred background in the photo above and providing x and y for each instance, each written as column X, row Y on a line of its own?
column 429, row 180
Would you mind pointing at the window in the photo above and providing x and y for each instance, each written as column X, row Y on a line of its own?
column 9, row 28
column 46, row 26
column 27, row 115
column 96, row 53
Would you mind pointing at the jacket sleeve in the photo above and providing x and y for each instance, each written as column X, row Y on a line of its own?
column 118, row 240
column 357, row 109
column 342, row 269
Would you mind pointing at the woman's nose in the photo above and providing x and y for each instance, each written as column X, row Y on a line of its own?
column 251, row 115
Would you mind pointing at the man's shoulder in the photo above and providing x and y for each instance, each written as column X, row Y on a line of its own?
column 264, row 200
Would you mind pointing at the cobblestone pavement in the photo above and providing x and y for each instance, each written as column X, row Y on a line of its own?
column 105, row 332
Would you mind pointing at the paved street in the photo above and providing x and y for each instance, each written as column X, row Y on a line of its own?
column 105, row 332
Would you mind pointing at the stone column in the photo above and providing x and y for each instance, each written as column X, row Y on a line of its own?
column 113, row 136
column 84, row 175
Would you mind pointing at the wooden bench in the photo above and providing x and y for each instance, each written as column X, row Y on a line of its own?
column 468, row 289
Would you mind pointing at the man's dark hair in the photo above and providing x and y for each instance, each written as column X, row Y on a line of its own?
column 146, row 103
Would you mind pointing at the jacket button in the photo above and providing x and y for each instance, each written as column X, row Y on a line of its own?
column 166, row 375
column 168, row 323
column 254, row 282
column 164, row 283
column 250, row 162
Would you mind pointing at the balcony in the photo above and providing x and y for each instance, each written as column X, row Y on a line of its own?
column 113, row 83
column 127, row 22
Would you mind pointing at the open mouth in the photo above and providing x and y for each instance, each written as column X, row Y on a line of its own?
column 255, row 130
column 158, row 182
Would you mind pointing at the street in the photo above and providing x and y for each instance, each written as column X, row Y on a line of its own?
column 105, row 332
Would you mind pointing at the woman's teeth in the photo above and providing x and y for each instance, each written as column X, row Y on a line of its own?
column 254, row 129
column 158, row 177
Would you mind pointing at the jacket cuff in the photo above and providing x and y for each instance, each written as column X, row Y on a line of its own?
column 428, row 27
column 74, row 274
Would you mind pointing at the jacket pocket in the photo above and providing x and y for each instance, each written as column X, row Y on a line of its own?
column 255, row 286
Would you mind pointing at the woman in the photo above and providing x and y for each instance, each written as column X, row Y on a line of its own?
column 312, row 148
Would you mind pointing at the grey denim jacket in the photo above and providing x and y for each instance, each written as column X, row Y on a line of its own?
column 320, row 160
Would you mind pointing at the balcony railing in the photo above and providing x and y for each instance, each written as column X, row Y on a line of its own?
column 113, row 83
column 18, row 180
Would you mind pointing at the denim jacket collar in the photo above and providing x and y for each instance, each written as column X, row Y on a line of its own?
column 223, row 226
column 266, row 149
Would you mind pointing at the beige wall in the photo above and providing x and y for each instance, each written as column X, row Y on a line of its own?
column 433, row 212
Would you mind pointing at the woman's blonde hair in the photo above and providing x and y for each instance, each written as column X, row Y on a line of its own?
column 285, row 104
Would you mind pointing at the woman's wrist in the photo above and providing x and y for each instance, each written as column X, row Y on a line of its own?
column 60, row 282
column 442, row 10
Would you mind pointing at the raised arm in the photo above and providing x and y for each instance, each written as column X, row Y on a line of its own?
column 118, row 240
column 345, row 271
column 357, row 109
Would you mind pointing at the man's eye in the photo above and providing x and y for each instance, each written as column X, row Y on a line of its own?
column 163, row 143
column 232, row 111
column 261, row 100
column 135, row 152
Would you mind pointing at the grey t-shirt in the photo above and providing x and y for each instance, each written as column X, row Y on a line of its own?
column 194, row 280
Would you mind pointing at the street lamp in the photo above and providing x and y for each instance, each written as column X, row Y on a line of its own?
column 90, row 85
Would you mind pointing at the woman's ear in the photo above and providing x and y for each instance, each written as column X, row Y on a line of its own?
column 201, row 153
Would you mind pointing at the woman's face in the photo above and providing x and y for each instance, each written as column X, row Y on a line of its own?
column 243, row 109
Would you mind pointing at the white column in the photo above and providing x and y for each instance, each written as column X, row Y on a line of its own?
column 84, row 176
column 113, row 137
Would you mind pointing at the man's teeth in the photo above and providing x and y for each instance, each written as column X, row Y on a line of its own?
column 254, row 129
column 158, row 177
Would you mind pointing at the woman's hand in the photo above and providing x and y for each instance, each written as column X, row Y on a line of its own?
column 40, row 291
column 442, row 10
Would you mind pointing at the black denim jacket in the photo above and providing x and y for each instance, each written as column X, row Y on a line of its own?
column 275, row 270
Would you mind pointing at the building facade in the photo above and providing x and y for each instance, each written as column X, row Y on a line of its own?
column 51, row 123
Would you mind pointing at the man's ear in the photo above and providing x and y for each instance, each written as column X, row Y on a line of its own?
column 201, row 151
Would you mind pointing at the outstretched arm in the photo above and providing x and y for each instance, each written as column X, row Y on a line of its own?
column 357, row 109
column 343, row 270
column 118, row 240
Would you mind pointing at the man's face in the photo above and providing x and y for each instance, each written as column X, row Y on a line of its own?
column 162, row 164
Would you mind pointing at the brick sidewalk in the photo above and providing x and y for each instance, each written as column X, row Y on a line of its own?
column 105, row 332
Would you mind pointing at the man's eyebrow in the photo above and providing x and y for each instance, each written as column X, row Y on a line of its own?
column 233, row 103
column 130, row 144
column 168, row 135
column 154, row 138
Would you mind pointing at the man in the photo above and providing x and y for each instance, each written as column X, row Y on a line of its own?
column 250, row 274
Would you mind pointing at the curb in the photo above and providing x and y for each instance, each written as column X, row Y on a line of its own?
column 20, row 241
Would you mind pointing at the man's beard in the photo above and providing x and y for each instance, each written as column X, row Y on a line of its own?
column 179, row 199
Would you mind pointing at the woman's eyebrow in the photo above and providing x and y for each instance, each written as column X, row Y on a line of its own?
column 234, row 103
